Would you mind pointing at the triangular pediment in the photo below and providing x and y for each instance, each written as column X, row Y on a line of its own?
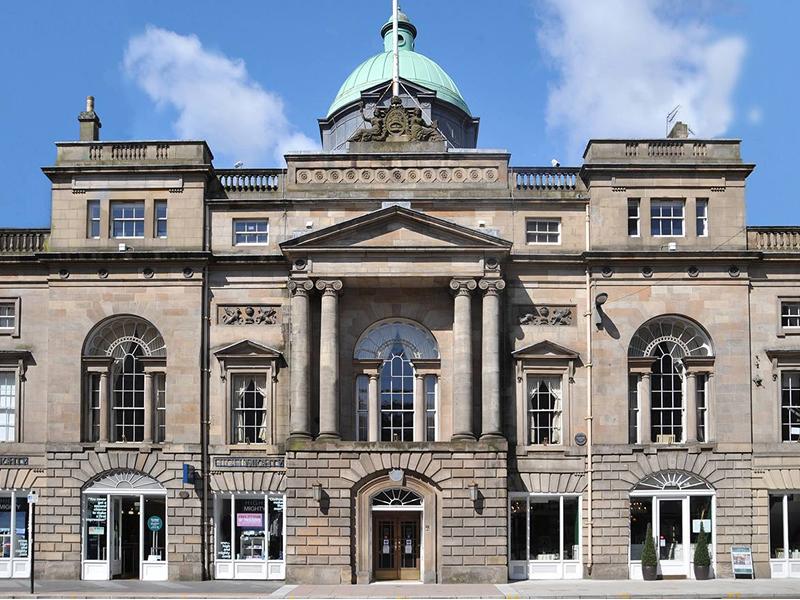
column 545, row 349
column 393, row 228
column 247, row 349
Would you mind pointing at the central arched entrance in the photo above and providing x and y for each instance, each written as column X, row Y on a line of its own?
column 396, row 530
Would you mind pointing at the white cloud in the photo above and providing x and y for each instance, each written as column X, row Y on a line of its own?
column 755, row 115
column 214, row 97
column 624, row 64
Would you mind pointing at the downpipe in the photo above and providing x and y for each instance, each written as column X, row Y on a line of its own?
column 589, row 417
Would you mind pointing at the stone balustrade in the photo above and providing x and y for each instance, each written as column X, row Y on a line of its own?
column 546, row 178
column 774, row 239
column 133, row 153
column 662, row 150
column 22, row 241
column 242, row 181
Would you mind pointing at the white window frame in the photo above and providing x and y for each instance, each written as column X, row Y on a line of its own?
column 16, row 566
column 430, row 411
column 246, row 234
column 267, row 418
column 701, row 217
column 157, row 220
column 10, row 428
column 634, row 204
column 361, row 413
column 672, row 203
column 547, row 569
column 557, row 413
column 15, row 303
column 536, row 232
column 793, row 408
column 92, row 221
column 134, row 205
column 785, row 305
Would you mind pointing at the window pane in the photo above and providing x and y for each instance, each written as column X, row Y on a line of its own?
column 776, row 547
column 701, row 206
column 641, row 517
column 544, row 529
column 572, row 529
column 222, row 522
column 5, row 526
column 249, row 532
column 666, row 217
column 21, row 531
column 397, row 397
column 633, row 409
column 666, row 397
column 161, row 218
column 633, row 217
column 93, row 219
column 544, row 410
column 250, row 231
column 362, row 408
column 275, row 528
column 702, row 407
column 431, row 385
column 518, row 524
column 790, row 406
column 155, row 541
column 793, row 510
column 790, row 314
column 7, row 315
column 128, row 408
column 700, row 515
column 8, row 402
column 543, row 231
column 95, row 518
column 127, row 219
column 250, row 416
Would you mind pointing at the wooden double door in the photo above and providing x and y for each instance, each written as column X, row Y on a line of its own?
column 396, row 545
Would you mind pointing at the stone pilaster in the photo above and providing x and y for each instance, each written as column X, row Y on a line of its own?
column 300, row 356
column 148, row 407
column 104, row 407
column 329, row 359
column 691, row 408
column 374, row 427
column 462, row 358
column 490, row 358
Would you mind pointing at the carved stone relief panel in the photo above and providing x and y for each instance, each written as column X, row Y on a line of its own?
column 248, row 314
column 548, row 314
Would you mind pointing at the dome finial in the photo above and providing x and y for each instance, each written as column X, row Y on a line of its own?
column 406, row 35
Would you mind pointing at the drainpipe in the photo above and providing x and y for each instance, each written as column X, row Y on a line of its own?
column 589, row 467
column 204, row 420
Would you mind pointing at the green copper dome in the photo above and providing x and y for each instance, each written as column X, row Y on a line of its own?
column 414, row 67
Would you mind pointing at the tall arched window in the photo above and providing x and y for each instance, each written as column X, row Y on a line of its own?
column 396, row 384
column 671, row 364
column 124, row 361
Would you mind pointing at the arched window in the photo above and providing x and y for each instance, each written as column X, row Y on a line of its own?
column 671, row 362
column 396, row 384
column 124, row 360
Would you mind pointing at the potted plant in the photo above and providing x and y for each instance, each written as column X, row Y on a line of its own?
column 649, row 557
column 702, row 560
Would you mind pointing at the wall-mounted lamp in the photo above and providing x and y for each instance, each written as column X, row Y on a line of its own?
column 599, row 300
column 473, row 492
column 316, row 490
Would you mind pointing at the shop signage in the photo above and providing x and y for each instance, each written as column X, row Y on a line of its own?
column 225, row 550
column 98, row 508
column 155, row 523
column 248, row 462
column 742, row 560
column 14, row 461
column 704, row 523
column 251, row 520
column 97, row 530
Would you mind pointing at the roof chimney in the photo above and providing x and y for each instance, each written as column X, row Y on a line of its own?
column 679, row 131
column 89, row 122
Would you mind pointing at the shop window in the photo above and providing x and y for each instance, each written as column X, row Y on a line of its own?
column 14, row 525
column 275, row 529
column 96, row 536
column 249, row 535
column 518, row 527
column 249, row 528
column 700, row 517
column 641, row 517
column 784, row 526
column 544, row 409
column 545, row 528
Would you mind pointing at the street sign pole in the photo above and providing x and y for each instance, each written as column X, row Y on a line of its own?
column 33, row 498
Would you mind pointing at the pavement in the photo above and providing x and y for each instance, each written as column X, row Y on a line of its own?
column 540, row 590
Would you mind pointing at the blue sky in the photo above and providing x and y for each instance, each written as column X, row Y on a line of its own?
column 253, row 77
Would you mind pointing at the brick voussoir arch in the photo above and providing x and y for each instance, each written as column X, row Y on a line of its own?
column 102, row 464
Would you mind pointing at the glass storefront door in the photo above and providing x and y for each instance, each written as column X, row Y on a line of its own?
column 14, row 534
column 670, row 535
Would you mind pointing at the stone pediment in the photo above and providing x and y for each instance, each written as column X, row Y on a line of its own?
column 246, row 349
column 396, row 228
column 546, row 349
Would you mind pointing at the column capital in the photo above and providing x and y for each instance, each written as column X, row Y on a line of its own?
column 373, row 376
column 492, row 287
column 463, row 287
column 300, row 287
column 329, row 287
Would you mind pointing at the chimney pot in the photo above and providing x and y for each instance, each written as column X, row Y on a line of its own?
column 89, row 122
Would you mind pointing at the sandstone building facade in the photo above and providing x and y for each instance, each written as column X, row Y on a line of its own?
column 398, row 357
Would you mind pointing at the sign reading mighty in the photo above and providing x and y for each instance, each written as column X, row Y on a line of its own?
column 13, row 461
column 248, row 462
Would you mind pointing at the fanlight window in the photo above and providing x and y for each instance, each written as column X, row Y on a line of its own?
column 671, row 480
column 115, row 335
column 397, row 497
column 125, row 480
column 680, row 336
column 380, row 340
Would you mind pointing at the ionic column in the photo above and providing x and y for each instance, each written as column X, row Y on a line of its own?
column 691, row 408
column 645, row 436
column 374, row 426
column 419, row 407
column 329, row 360
column 104, row 407
column 300, row 365
column 462, row 359
column 490, row 359
column 148, row 407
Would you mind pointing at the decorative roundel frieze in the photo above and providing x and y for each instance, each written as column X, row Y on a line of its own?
column 319, row 176
column 188, row 272
column 492, row 263
column 366, row 175
column 474, row 174
column 647, row 272
column 303, row 176
column 300, row 264
column 350, row 176
column 428, row 175
column 334, row 176
column 459, row 175
column 64, row 273
column 102, row 273
column 490, row 174
column 397, row 175
column 413, row 175
column 148, row 273
column 382, row 175
column 444, row 175
column 607, row 271
column 693, row 271
column 734, row 271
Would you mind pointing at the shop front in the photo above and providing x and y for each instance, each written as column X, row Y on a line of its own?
column 249, row 540
column 15, row 536
column 544, row 536
column 124, row 528
column 678, row 506
column 784, row 534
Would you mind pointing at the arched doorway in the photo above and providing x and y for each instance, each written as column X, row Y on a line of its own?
column 124, row 528
column 396, row 530
column 677, row 505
